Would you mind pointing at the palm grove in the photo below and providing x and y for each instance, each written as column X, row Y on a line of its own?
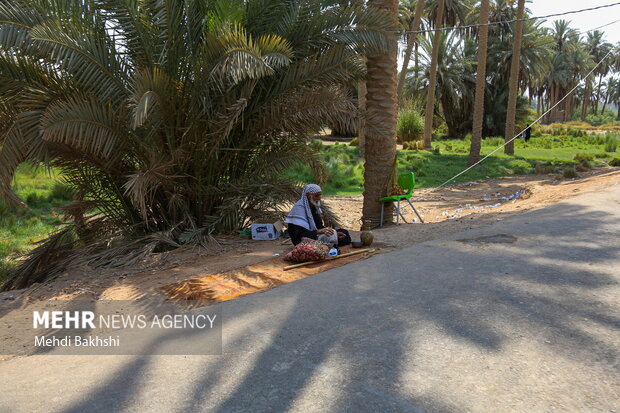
column 174, row 119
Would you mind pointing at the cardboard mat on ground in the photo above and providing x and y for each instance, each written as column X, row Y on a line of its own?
column 252, row 279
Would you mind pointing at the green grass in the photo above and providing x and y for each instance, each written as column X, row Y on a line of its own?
column 20, row 229
column 42, row 191
column 540, row 154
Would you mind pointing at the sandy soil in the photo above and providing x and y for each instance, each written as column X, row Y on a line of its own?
column 448, row 210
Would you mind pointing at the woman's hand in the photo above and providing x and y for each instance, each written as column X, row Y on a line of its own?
column 326, row 231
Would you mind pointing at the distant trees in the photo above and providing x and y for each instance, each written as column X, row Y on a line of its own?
column 551, row 62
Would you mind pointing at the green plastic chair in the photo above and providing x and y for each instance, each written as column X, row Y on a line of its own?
column 407, row 182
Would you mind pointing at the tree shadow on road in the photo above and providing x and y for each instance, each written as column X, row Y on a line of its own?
column 349, row 339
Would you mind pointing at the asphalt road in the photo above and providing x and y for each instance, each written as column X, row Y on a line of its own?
column 530, row 323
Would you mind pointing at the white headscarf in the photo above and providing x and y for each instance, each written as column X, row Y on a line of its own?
column 300, row 213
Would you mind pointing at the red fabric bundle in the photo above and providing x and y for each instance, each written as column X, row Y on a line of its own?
column 308, row 250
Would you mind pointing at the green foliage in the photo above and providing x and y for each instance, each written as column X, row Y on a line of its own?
column 543, row 155
column 583, row 157
column 413, row 145
column 182, row 116
column 611, row 143
column 496, row 141
column 410, row 125
column 20, row 228
column 600, row 119
column 355, row 142
column 615, row 162
column 569, row 172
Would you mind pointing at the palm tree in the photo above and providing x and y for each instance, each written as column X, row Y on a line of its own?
column 474, row 152
column 171, row 119
column 455, row 79
column 563, row 69
column 514, row 81
column 613, row 86
column 430, row 102
column 382, row 110
column 598, row 49
column 411, row 23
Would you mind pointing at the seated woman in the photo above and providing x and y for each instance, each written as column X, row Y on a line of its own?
column 305, row 220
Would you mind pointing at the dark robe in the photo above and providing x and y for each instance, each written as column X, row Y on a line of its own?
column 298, row 232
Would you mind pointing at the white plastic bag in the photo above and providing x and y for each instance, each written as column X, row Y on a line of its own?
column 329, row 239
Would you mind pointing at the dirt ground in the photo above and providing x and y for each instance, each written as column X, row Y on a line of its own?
column 447, row 210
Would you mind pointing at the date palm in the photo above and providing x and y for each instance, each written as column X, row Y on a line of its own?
column 432, row 82
column 380, row 127
column 513, row 85
column 410, row 16
column 483, row 37
column 169, row 119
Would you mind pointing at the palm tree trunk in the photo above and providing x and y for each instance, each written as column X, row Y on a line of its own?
column 432, row 82
column 605, row 103
column 538, row 103
column 382, row 107
column 586, row 98
column 598, row 93
column 416, row 64
column 618, row 115
column 513, row 91
column 411, row 39
column 476, row 138
column 568, row 112
column 361, row 127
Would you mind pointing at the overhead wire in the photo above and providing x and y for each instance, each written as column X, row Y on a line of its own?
column 515, row 20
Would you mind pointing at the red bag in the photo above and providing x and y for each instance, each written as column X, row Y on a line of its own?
column 308, row 250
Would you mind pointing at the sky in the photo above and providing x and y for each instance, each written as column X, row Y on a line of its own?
column 582, row 21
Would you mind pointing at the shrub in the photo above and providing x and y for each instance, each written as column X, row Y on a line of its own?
column 611, row 127
column 536, row 131
column 544, row 129
column 615, row 162
column 569, row 172
column 441, row 130
column 583, row 157
column 575, row 133
column 34, row 199
column 410, row 145
column 410, row 125
column 579, row 124
column 601, row 119
column 494, row 141
column 558, row 129
column 611, row 144
column 544, row 169
column 61, row 191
